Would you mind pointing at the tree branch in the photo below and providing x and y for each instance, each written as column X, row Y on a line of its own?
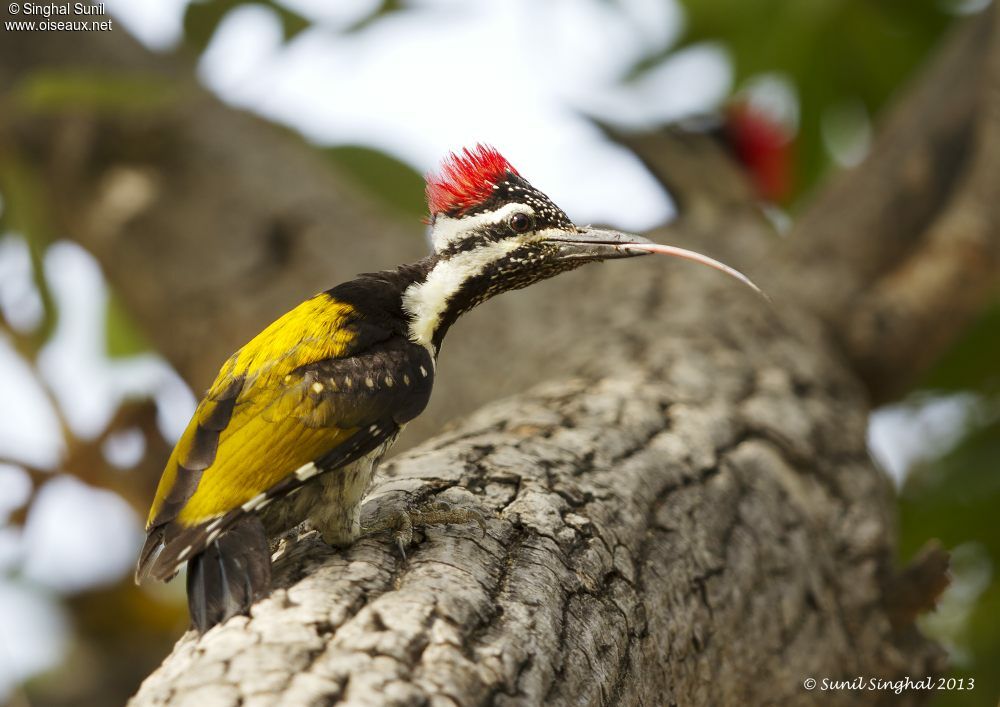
column 688, row 533
column 902, row 253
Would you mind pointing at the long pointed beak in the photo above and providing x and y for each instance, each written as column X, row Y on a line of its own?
column 597, row 244
column 602, row 244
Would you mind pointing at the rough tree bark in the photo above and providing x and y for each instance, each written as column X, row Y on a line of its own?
column 706, row 529
column 689, row 516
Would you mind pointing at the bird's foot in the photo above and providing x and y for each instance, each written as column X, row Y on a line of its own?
column 402, row 522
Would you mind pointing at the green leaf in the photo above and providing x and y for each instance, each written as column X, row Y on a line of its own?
column 955, row 498
column 49, row 90
column 201, row 19
column 26, row 212
column 121, row 336
column 395, row 183
column 971, row 363
column 291, row 22
column 384, row 9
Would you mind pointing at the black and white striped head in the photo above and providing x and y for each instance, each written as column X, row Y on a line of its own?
column 479, row 202
column 492, row 232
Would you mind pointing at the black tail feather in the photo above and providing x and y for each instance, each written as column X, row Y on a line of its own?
column 229, row 575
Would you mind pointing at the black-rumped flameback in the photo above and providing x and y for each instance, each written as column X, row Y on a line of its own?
column 295, row 424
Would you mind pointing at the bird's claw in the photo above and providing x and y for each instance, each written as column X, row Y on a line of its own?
column 402, row 522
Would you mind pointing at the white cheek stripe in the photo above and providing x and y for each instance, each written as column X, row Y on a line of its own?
column 447, row 230
column 426, row 301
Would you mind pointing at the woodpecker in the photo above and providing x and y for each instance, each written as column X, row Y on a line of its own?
column 294, row 426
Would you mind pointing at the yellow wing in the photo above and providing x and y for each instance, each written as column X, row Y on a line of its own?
column 322, row 384
column 253, row 454
column 248, row 432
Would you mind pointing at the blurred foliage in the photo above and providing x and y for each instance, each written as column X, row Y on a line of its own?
column 396, row 184
column 106, row 623
column 46, row 92
column 201, row 19
column 834, row 52
column 24, row 212
column 956, row 497
column 122, row 337
column 105, row 662
column 54, row 91
column 26, row 199
column 972, row 363
column 384, row 9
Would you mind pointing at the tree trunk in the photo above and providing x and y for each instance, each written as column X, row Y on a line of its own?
column 704, row 527
column 688, row 517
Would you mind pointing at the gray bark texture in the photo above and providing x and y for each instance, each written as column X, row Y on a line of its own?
column 684, row 513
column 703, row 528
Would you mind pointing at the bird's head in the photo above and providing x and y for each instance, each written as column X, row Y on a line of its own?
column 493, row 232
column 484, row 212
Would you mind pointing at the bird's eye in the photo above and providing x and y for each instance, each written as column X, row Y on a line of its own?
column 520, row 223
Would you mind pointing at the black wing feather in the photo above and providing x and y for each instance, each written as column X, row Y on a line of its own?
column 401, row 377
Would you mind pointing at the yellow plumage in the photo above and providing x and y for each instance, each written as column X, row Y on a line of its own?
column 275, row 425
column 252, row 459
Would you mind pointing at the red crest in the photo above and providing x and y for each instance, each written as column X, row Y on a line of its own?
column 466, row 179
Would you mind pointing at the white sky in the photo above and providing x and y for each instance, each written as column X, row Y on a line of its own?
column 518, row 74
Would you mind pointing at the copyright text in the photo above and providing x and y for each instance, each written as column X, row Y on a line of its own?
column 49, row 17
column 896, row 686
